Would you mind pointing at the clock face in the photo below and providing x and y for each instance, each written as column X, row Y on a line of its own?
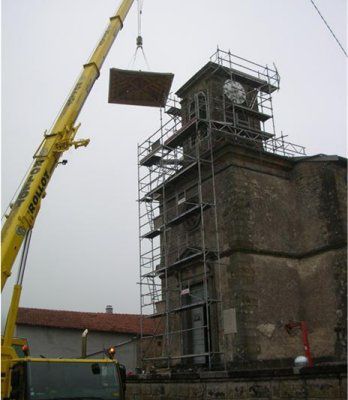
column 234, row 91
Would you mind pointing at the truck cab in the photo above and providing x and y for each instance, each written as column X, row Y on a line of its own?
column 52, row 379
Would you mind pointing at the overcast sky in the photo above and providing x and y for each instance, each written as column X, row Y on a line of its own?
column 84, row 250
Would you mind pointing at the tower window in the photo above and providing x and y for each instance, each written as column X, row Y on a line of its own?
column 198, row 106
column 192, row 109
column 202, row 105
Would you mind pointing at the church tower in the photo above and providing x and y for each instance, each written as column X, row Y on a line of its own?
column 219, row 220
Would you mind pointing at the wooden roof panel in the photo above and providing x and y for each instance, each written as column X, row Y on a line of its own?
column 139, row 88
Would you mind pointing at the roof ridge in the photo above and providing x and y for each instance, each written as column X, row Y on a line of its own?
column 122, row 323
column 77, row 312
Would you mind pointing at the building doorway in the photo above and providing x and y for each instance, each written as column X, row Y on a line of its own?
column 194, row 323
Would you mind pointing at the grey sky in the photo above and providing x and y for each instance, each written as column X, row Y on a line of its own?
column 84, row 251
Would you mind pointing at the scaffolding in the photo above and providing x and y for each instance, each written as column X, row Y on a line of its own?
column 180, row 278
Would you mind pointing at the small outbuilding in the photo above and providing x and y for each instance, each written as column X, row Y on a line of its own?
column 57, row 333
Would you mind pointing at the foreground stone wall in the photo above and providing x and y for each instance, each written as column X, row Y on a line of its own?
column 311, row 384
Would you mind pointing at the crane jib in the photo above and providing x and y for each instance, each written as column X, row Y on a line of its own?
column 23, row 212
column 27, row 186
column 21, row 218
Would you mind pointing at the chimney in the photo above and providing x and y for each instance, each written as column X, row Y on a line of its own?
column 109, row 309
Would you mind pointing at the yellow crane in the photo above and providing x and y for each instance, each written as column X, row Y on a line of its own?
column 21, row 378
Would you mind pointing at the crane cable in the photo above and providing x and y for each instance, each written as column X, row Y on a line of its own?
column 331, row 31
column 139, row 39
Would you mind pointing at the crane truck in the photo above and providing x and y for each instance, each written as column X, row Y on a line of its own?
column 25, row 377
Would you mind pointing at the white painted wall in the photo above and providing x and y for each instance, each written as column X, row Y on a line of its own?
column 56, row 342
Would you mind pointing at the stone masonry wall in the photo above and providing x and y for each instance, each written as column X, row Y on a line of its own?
column 318, row 384
column 282, row 239
column 265, row 292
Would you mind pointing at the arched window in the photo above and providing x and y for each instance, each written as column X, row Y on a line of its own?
column 202, row 105
column 198, row 106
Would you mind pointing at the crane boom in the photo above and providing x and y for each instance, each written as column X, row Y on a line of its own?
column 59, row 139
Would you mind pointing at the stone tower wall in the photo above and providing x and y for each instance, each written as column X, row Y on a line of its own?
column 282, row 235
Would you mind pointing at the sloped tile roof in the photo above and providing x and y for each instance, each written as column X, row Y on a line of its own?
column 104, row 322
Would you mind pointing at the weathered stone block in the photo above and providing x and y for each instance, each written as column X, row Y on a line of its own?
column 248, row 390
column 343, row 388
column 157, row 389
column 290, row 389
column 147, row 397
column 197, row 391
column 236, row 390
column 326, row 388
column 146, row 389
column 215, row 391
column 183, row 390
column 259, row 390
